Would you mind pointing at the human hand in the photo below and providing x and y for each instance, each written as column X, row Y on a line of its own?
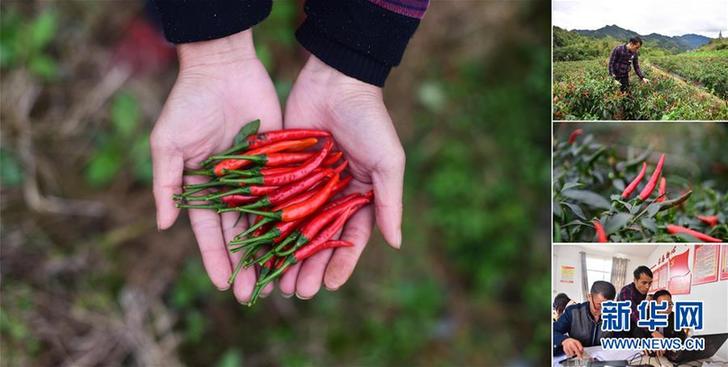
column 221, row 85
column 645, row 80
column 572, row 347
column 354, row 112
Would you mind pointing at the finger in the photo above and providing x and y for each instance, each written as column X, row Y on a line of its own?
column 388, row 181
column 245, row 279
column 207, row 227
column 287, row 284
column 167, row 167
column 311, row 274
column 357, row 231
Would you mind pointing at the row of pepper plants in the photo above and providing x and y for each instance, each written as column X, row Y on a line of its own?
column 583, row 90
column 599, row 196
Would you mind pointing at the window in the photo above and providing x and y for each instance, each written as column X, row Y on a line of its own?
column 598, row 268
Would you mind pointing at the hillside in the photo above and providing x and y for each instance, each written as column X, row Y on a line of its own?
column 674, row 44
column 574, row 46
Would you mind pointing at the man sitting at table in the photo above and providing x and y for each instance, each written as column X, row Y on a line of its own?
column 581, row 325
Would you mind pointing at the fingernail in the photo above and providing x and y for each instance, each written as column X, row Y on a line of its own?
column 398, row 239
column 331, row 289
column 286, row 295
column 302, row 298
column 223, row 288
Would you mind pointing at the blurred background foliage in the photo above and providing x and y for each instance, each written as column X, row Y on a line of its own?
column 87, row 279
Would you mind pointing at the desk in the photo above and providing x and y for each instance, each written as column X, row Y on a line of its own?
column 631, row 355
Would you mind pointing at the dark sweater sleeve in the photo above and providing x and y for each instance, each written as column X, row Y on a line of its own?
column 363, row 39
column 201, row 20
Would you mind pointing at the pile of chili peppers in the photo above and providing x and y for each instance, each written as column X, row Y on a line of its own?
column 290, row 186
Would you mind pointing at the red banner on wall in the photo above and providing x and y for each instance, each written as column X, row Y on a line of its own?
column 724, row 262
column 679, row 274
column 705, row 264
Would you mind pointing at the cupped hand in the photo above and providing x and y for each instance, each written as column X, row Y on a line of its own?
column 221, row 85
column 354, row 112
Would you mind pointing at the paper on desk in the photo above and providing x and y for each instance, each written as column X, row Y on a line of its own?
column 598, row 353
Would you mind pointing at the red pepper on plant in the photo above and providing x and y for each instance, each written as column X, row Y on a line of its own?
column 647, row 191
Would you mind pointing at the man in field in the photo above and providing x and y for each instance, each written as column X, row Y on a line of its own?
column 620, row 59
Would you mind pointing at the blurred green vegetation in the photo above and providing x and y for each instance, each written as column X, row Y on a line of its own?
column 467, row 288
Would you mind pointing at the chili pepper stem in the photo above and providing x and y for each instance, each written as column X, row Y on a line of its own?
column 263, row 282
column 204, row 185
column 238, row 267
column 190, row 206
column 283, row 245
column 252, row 158
column 263, row 238
column 271, row 215
column 255, row 205
column 255, row 226
column 198, row 172
column 240, row 172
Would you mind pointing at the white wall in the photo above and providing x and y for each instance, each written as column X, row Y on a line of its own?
column 569, row 255
column 714, row 296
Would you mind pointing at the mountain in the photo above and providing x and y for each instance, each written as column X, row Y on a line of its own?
column 677, row 43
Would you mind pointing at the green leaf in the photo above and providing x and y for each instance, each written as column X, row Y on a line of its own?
column 653, row 209
column 575, row 209
column 104, row 166
column 125, row 114
column 141, row 159
column 10, row 172
column 231, row 358
column 557, row 209
column 431, row 95
column 571, row 185
column 587, row 197
column 616, row 222
column 649, row 223
column 42, row 30
column 43, row 66
column 247, row 130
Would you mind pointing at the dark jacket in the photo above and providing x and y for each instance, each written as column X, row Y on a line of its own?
column 577, row 322
column 620, row 60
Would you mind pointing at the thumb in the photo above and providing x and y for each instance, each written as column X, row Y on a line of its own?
column 388, row 181
column 167, row 166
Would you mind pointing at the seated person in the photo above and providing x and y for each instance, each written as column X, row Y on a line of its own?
column 581, row 325
column 561, row 301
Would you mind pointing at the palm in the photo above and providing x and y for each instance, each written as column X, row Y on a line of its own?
column 356, row 116
column 204, row 111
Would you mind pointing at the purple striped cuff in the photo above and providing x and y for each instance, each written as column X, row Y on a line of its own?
column 409, row 8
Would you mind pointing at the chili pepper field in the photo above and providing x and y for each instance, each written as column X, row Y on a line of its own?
column 86, row 278
column 640, row 183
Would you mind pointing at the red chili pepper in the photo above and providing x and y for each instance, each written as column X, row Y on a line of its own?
column 575, row 134
column 675, row 229
column 661, row 190
column 633, row 185
column 284, row 178
column 599, row 228
column 228, row 164
column 328, row 213
column 710, row 220
column 270, row 137
column 238, row 200
column 317, row 244
column 647, row 191
column 290, row 190
column 332, row 158
column 299, row 210
column 298, row 199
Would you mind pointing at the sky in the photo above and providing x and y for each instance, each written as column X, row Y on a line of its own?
column 668, row 17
